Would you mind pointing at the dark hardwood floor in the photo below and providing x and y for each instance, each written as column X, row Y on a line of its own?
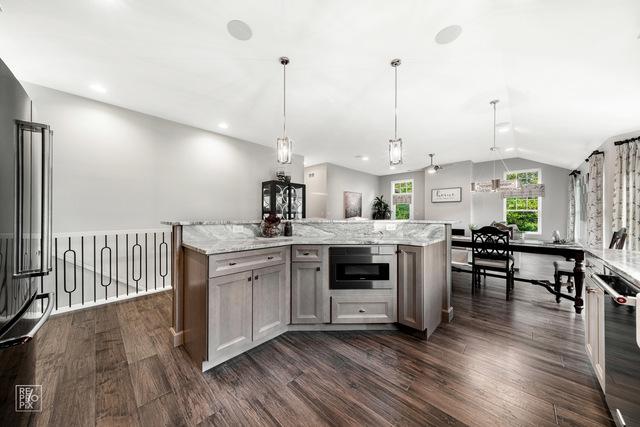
column 499, row 363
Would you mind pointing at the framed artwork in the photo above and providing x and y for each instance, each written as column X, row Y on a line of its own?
column 446, row 195
column 352, row 204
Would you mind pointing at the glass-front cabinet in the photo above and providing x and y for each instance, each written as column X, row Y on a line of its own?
column 286, row 199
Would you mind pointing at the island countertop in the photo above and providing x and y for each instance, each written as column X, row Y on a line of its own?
column 312, row 221
column 217, row 237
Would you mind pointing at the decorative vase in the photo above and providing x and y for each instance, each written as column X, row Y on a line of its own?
column 270, row 226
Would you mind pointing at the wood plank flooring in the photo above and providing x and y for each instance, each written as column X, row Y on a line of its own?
column 516, row 363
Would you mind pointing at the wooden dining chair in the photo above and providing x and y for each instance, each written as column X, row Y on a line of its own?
column 491, row 252
column 565, row 268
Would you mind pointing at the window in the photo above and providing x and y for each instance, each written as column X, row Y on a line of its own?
column 402, row 199
column 525, row 212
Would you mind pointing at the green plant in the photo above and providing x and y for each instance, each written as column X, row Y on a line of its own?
column 381, row 208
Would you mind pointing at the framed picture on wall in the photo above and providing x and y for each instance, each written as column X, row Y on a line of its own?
column 352, row 204
column 446, row 195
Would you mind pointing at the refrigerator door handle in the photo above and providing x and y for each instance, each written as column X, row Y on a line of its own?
column 10, row 342
column 21, row 269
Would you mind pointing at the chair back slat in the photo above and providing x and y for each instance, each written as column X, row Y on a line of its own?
column 490, row 242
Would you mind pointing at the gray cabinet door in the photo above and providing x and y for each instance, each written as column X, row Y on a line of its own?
column 229, row 314
column 307, row 296
column 269, row 301
column 410, row 287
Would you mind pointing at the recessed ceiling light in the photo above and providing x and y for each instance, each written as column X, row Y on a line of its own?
column 223, row 125
column 97, row 87
column 362, row 157
column 448, row 34
column 509, row 149
column 239, row 30
column 392, row 167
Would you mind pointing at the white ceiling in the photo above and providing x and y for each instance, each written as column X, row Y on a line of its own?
column 567, row 72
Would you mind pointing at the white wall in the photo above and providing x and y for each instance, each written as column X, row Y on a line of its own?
column 488, row 207
column 384, row 185
column 452, row 175
column 119, row 169
column 329, row 182
column 315, row 178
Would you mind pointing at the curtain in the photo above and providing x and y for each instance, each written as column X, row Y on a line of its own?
column 571, row 218
column 626, row 193
column 594, row 200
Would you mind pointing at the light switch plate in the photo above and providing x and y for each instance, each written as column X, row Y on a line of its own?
column 391, row 227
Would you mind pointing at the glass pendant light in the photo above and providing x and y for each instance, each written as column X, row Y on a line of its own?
column 395, row 144
column 284, row 145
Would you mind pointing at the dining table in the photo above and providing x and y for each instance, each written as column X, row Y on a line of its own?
column 571, row 251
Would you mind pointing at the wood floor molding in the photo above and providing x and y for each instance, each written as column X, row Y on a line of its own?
column 498, row 363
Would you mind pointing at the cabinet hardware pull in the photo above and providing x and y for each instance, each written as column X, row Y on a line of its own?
column 317, row 268
column 232, row 263
column 305, row 253
column 590, row 290
column 269, row 257
column 362, row 310
column 255, row 278
column 249, row 279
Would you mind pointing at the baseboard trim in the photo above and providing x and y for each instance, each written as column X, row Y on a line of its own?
column 178, row 337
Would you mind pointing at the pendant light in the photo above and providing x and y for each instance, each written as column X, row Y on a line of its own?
column 431, row 169
column 395, row 144
column 284, row 145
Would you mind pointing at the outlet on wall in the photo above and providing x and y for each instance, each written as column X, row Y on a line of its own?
column 391, row 227
column 237, row 228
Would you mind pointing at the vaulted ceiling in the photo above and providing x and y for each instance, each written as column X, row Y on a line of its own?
column 567, row 73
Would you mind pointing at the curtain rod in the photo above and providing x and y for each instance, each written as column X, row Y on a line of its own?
column 626, row 141
column 594, row 153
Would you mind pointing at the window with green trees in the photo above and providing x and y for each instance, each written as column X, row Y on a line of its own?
column 402, row 199
column 525, row 212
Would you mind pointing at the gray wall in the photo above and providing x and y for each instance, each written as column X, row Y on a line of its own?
column 119, row 169
column 384, row 186
column 341, row 179
column 487, row 207
column 315, row 178
column 452, row 175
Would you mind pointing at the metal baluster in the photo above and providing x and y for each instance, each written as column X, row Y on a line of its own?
column 56, row 272
column 126, row 260
column 107, row 248
column 94, row 268
column 146, row 264
column 133, row 263
column 155, row 271
column 166, row 263
column 82, row 269
column 117, row 262
column 64, row 271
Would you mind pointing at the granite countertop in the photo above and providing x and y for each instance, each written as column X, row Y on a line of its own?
column 309, row 221
column 214, row 246
column 625, row 263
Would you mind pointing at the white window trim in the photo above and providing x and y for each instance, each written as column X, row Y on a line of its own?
column 504, row 202
column 393, row 206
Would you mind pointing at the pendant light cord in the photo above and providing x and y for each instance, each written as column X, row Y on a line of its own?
column 396, row 104
column 284, row 100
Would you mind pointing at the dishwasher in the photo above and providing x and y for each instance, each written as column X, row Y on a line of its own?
column 622, row 348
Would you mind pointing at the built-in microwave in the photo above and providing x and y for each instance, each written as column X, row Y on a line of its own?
column 362, row 267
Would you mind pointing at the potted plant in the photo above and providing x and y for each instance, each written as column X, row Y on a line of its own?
column 381, row 208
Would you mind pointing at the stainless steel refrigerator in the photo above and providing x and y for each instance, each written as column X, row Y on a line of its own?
column 25, row 247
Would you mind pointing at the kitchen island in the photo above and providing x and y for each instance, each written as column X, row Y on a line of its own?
column 234, row 290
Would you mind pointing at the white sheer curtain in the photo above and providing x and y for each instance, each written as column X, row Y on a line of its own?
column 626, row 192
column 571, row 217
column 595, row 200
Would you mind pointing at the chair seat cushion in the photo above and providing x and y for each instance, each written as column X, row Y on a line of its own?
column 564, row 266
column 494, row 263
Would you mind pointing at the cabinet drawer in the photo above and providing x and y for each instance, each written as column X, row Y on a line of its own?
column 306, row 253
column 362, row 309
column 221, row 265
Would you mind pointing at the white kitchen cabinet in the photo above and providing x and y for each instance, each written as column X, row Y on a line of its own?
column 421, row 280
column 270, row 294
column 230, row 325
column 594, row 329
column 307, row 292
